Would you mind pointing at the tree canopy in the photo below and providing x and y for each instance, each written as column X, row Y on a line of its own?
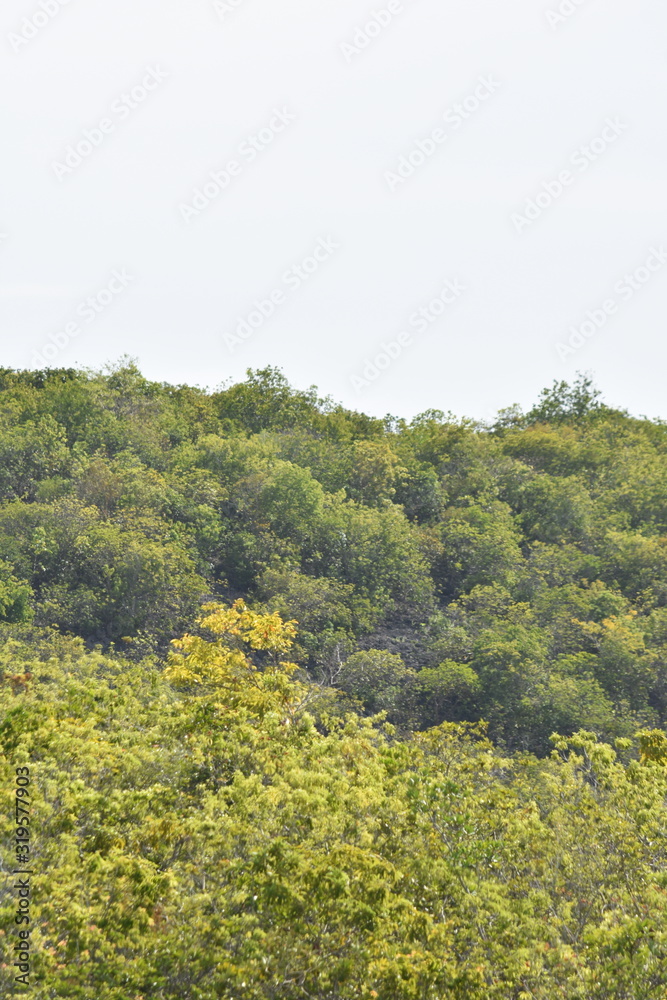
column 319, row 705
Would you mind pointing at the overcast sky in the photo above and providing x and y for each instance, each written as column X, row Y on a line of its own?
column 418, row 203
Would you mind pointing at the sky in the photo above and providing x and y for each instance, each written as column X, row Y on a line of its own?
column 411, row 204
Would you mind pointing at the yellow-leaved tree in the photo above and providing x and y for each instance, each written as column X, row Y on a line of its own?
column 243, row 666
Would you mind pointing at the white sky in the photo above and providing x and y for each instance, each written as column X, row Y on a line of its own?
column 324, row 177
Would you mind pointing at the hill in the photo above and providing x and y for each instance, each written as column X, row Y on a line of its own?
column 299, row 703
column 439, row 570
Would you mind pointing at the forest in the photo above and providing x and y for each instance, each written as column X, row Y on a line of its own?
column 320, row 705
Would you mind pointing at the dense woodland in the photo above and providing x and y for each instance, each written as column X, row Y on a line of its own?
column 319, row 705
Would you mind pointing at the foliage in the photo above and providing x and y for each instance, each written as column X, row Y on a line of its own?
column 411, row 746
column 525, row 562
column 197, row 835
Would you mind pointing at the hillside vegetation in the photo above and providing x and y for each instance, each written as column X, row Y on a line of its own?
column 412, row 747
